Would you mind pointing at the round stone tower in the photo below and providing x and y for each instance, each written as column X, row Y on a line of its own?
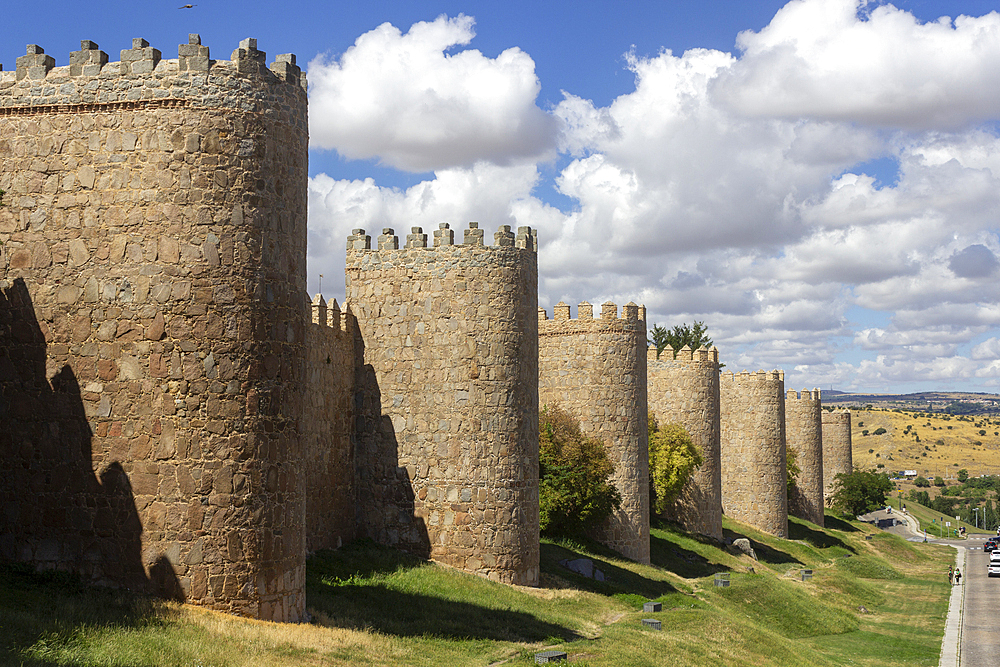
column 448, row 444
column 685, row 390
column 837, row 456
column 154, row 219
column 804, row 435
column 595, row 369
column 754, row 485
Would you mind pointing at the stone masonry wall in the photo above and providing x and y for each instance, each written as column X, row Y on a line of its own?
column 596, row 370
column 752, row 418
column 447, row 453
column 804, row 435
column 685, row 391
column 153, row 234
column 327, row 426
column 837, row 456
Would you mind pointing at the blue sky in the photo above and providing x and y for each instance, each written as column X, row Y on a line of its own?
column 817, row 180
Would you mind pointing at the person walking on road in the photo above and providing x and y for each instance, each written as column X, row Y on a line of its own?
column 958, row 577
column 951, row 575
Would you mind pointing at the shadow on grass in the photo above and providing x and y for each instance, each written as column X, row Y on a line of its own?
column 682, row 562
column 52, row 608
column 765, row 553
column 836, row 523
column 351, row 588
column 617, row 580
column 817, row 538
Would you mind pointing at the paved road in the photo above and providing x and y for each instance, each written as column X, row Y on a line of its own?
column 980, row 639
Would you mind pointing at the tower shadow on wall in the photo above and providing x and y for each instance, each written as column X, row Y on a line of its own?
column 386, row 504
column 55, row 513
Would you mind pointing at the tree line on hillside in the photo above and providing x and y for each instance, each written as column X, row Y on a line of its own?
column 962, row 499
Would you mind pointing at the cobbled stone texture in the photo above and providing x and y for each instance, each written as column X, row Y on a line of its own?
column 804, row 435
column 448, row 392
column 837, row 456
column 685, row 391
column 595, row 369
column 153, row 330
column 752, row 416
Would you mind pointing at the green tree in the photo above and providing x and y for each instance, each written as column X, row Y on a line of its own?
column 922, row 482
column 860, row 491
column 989, row 515
column 792, row 470
column 939, row 481
column 694, row 336
column 673, row 457
column 963, row 475
column 574, row 491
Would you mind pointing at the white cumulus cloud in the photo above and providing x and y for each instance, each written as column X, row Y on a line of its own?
column 742, row 190
column 409, row 102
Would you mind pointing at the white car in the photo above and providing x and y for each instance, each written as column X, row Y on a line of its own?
column 994, row 568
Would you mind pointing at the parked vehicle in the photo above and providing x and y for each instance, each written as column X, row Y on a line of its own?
column 994, row 568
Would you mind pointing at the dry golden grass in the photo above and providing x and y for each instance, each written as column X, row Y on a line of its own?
column 935, row 445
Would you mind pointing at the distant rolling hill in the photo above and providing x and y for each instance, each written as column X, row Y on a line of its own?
column 948, row 402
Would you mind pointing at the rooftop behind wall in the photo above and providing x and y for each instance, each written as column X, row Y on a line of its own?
column 595, row 369
column 754, row 488
column 804, row 435
column 447, row 455
column 685, row 391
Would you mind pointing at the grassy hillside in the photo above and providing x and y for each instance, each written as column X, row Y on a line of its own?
column 931, row 444
column 878, row 602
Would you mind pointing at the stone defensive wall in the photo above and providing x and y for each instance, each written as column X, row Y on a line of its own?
column 837, row 456
column 752, row 417
column 327, row 425
column 804, row 435
column 685, row 390
column 596, row 370
column 152, row 328
column 447, row 453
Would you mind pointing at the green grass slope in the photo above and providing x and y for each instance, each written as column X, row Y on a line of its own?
column 877, row 602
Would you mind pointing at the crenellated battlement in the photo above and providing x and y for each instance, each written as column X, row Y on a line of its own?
column 329, row 315
column 748, row 378
column 526, row 239
column 91, row 79
column 806, row 395
column 631, row 312
column 705, row 355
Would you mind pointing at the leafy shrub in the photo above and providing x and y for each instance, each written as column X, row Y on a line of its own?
column 860, row 491
column 981, row 432
column 938, row 481
column 673, row 457
column 922, row 482
column 574, row 490
column 879, row 431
